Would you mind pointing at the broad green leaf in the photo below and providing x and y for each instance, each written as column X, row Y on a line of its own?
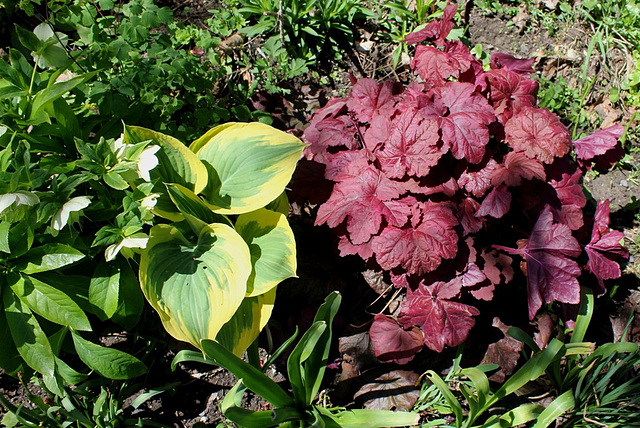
column 49, row 257
column 249, row 165
column 104, row 289
column 5, row 226
column 196, row 288
column 130, row 298
column 108, row 362
column 10, row 360
column 272, row 246
column 298, row 374
column 30, row 340
column 318, row 360
column 247, row 323
column 49, row 302
column 252, row 377
column 531, row 370
column 231, row 408
column 365, row 418
column 279, row 204
column 515, row 417
column 555, row 409
column 140, row 399
column 177, row 164
column 70, row 375
column 189, row 355
column 188, row 202
column 54, row 91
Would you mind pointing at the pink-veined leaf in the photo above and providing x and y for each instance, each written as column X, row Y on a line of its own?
column 478, row 182
column 464, row 116
column 346, row 248
column 434, row 65
column 598, row 143
column 419, row 248
column 443, row 321
column 501, row 60
column 466, row 213
column 604, row 247
column 436, row 31
column 392, row 342
column 572, row 199
column 364, row 196
column 515, row 167
column 412, row 147
column 552, row 272
column 496, row 203
column 369, row 99
column 510, row 92
column 538, row 133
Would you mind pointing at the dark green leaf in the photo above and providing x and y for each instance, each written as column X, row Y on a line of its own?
column 104, row 289
column 251, row 376
column 49, row 302
column 49, row 257
column 30, row 340
column 108, row 362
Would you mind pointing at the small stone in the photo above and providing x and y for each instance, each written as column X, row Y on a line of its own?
column 624, row 183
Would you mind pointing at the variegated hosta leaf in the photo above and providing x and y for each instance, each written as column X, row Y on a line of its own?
column 272, row 246
column 249, row 165
column 196, row 288
column 247, row 323
column 176, row 164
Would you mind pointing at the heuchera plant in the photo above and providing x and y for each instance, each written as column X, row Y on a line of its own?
column 443, row 182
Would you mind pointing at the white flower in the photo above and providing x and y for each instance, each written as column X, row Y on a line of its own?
column 119, row 147
column 147, row 161
column 19, row 198
column 149, row 202
column 73, row 205
column 137, row 240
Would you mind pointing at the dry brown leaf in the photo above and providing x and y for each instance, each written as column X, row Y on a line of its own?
column 395, row 390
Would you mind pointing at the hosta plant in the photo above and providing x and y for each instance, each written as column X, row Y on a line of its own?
column 211, row 273
column 451, row 183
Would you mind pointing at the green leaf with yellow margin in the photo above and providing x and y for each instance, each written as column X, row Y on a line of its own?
column 247, row 323
column 196, row 288
column 176, row 164
column 272, row 246
column 249, row 165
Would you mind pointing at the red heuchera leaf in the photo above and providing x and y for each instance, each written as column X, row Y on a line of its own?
column 464, row 116
column 342, row 162
column 392, row 342
column 467, row 216
column 510, row 62
column 420, row 247
column 598, row 143
column 496, row 203
column 412, row 147
column 510, row 92
column 369, row 98
column 346, row 248
column 437, row 31
column 604, row 246
column 443, row 321
column 364, row 197
column 434, row 65
column 572, row 199
column 515, row 167
column 497, row 267
column 551, row 270
column 478, row 182
column 537, row 133
column 331, row 131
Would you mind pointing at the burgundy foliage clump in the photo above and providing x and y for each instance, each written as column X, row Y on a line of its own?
column 451, row 182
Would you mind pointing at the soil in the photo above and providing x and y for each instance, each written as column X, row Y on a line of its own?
column 200, row 388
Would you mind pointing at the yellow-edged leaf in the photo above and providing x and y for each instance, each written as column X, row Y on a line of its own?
column 247, row 323
column 272, row 246
column 196, row 288
column 249, row 165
